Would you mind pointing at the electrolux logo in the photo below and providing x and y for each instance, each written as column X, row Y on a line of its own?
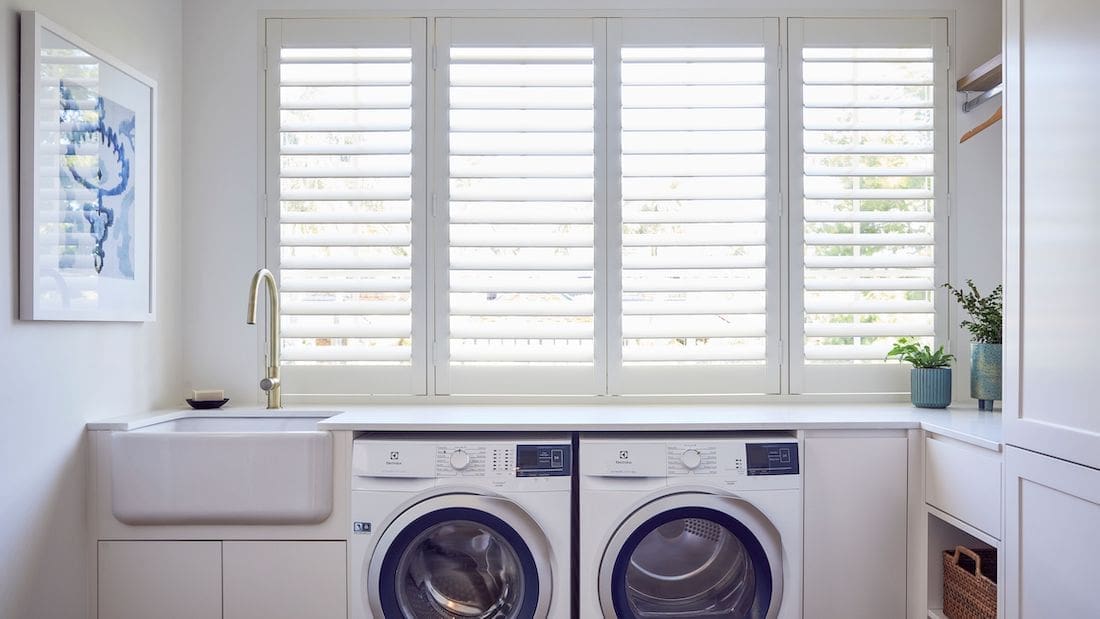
column 395, row 458
column 624, row 457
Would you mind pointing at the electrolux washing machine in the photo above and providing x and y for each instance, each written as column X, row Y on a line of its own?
column 688, row 525
column 460, row 525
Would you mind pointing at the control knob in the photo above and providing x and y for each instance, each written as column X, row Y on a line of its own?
column 691, row 459
column 459, row 459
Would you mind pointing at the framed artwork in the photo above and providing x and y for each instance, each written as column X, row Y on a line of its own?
column 87, row 181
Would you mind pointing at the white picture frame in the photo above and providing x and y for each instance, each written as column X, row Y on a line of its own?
column 87, row 249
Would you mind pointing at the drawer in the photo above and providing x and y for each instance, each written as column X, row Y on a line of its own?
column 965, row 481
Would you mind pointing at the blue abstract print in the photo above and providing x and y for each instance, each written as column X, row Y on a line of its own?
column 96, row 179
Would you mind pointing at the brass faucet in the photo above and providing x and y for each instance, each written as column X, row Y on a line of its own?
column 270, row 383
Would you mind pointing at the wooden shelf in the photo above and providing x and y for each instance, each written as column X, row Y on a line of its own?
column 984, row 78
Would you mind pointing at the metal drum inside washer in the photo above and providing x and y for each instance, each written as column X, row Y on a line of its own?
column 459, row 569
column 689, row 566
column 694, row 555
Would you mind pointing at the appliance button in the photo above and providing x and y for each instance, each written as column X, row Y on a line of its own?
column 691, row 459
column 459, row 459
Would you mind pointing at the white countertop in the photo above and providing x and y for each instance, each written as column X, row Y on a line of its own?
column 965, row 424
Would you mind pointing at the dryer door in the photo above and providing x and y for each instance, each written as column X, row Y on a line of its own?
column 460, row 555
column 693, row 554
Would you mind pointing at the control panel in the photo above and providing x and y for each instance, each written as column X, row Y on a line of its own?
column 544, row 460
column 692, row 459
column 772, row 458
column 529, row 463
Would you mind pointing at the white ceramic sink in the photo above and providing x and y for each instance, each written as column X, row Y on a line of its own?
column 223, row 470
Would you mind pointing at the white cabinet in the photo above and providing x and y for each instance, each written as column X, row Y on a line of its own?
column 964, row 481
column 1052, row 227
column 167, row 580
column 856, row 486
column 285, row 580
column 216, row 580
column 1051, row 537
column 962, row 506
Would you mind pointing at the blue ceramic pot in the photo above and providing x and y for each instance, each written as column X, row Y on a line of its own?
column 930, row 387
column 985, row 374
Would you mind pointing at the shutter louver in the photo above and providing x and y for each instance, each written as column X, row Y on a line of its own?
column 870, row 167
column 346, row 209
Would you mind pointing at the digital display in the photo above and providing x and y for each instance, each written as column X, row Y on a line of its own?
column 544, row 460
column 772, row 458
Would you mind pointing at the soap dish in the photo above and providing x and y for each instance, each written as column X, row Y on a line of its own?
column 203, row 405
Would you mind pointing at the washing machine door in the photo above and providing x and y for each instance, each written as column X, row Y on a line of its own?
column 457, row 556
column 693, row 554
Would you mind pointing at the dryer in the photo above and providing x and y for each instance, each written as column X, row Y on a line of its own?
column 458, row 525
column 682, row 525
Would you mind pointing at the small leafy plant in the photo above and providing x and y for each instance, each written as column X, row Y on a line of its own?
column 920, row 355
column 986, row 313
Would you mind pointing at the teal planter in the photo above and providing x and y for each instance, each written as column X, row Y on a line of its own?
column 930, row 387
column 985, row 374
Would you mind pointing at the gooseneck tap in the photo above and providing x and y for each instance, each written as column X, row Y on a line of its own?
column 270, row 383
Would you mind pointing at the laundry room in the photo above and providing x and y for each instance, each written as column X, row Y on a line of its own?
column 487, row 309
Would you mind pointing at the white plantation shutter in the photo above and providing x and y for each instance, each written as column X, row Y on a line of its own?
column 518, row 140
column 346, row 137
column 694, row 221
column 869, row 200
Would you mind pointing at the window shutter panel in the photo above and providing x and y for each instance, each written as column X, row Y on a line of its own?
column 870, row 163
column 350, row 97
column 697, row 101
column 521, row 216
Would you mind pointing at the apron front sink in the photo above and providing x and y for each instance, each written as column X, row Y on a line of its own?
column 223, row 470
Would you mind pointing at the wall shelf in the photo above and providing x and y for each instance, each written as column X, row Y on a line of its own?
column 987, row 80
column 984, row 78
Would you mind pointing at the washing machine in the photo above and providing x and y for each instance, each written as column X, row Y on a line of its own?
column 690, row 526
column 458, row 525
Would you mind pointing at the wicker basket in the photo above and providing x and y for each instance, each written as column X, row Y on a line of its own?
column 970, row 591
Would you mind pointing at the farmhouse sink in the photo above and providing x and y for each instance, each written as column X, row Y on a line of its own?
column 223, row 470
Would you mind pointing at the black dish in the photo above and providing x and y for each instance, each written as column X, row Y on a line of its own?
column 203, row 405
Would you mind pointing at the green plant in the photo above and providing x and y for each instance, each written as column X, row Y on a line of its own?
column 986, row 313
column 920, row 355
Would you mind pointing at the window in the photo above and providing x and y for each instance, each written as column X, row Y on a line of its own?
column 868, row 172
column 596, row 206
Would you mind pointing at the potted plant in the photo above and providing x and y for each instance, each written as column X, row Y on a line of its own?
column 930, row 379
column 985, row 327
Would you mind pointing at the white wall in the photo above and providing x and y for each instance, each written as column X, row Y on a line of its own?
column 55, row 376
column 221, row 158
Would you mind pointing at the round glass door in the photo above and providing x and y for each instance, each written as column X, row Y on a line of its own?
column 458, row 563
column 692, row 562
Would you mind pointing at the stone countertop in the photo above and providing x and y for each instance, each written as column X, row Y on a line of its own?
column 965, row 424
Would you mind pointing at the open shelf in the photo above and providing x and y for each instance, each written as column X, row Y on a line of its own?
column 984, row 78
column 944, row 533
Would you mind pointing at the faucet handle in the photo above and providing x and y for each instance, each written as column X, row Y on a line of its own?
column 267, row 384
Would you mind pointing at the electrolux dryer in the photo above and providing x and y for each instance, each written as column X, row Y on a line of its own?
column 682, row 525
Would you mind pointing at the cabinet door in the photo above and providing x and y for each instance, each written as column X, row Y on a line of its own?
column 166, row 580
column 1051, row 542
column 855, row 530
column 285, row 580
column 1052, row 221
